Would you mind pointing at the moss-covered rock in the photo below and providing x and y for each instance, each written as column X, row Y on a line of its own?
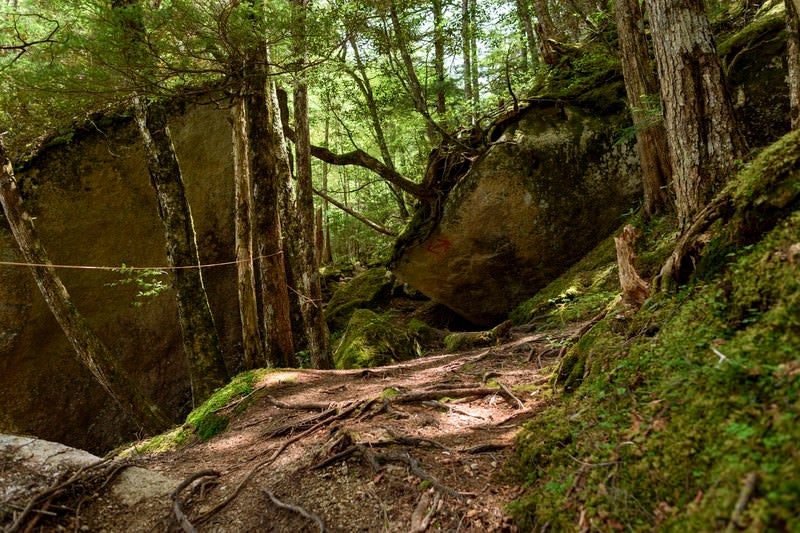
column 696, row 393
column 373, row 340
column 368, row 290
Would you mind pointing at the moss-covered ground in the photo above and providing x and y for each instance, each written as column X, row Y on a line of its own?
column 663, row 414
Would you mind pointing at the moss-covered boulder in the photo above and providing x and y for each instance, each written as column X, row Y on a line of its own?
column 373, row 340
column 553, row 185
column 368, row 290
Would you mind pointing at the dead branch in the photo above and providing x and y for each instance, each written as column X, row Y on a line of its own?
column 296, row 509
column 183, row 521
column 312, row 406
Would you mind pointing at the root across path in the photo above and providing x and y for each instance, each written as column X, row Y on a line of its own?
column 423, row 445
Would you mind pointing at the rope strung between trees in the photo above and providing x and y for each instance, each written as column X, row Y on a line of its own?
column 133, row 268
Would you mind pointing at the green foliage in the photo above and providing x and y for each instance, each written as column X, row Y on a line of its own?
column 149, row 282
column 677, row 404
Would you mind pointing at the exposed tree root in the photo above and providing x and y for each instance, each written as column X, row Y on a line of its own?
column 183, row 520
column 296, row 509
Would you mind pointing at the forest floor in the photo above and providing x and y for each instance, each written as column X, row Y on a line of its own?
column 421, row 445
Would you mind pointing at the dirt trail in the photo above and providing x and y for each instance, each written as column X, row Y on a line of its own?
column 360, row 450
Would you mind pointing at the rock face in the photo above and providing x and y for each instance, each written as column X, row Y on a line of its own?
column 93, row 205
column 553, row 185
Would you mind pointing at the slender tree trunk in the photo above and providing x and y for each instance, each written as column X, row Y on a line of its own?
column 466, row 43
column 701, row 129
column 362, row 80
column 200, row 340
column 473, row 50
column 438, row 58
column 252, row 343
column 91, row 351
column 270, row 172
column 640, row 82
column 524, row 14
column 327, row 253
column 793, row 57
column 306, row 261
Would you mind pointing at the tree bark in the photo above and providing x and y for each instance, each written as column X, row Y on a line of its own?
column 793, row 59
column 466, row 42
column 252, row 344
column 270, row 172
column 635, row 290
column 438, row 58
column 640, row 82
column 200, row 340
column 91, row 351
column 305, row 261
column 524, row 14
column 546, row 30
column 703, row 138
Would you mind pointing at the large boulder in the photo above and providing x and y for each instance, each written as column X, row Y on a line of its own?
column 373, row 340
column 555, row 182
column 368, row 290
column 93, row 205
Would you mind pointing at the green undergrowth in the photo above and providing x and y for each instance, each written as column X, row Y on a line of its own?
column 670, row 409
column 209, row 419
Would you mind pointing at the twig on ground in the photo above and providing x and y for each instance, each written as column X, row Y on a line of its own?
column 183, row 521
column 748, row 488
column 296, row 509
column 436, row 404
column 508, row 394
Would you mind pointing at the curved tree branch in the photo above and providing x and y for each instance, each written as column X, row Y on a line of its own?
column 374, row 225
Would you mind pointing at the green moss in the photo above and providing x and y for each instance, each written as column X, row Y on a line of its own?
column 582, row 292
column 677, row 404
column 208, row 420
column 771, row 22
column 373, row 340
column 368, row 290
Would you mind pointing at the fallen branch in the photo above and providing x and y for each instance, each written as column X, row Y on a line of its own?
column 312, row 406
column 296, row 509
column 414, row 441
column 483, row 448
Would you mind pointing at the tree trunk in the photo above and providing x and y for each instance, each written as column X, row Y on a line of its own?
column 327, row 253
column 466, row 41
column 305, row 262
column 200, row 340
column 438, row 58
column 91, row 351
column 703, row 138
column 640, row 83
column 270, row 173
column 252, row 344
column 546, row 30
column 793, row 59
column 524, row 14
column 473, row 50
column 362, row 80
column 635, row 290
